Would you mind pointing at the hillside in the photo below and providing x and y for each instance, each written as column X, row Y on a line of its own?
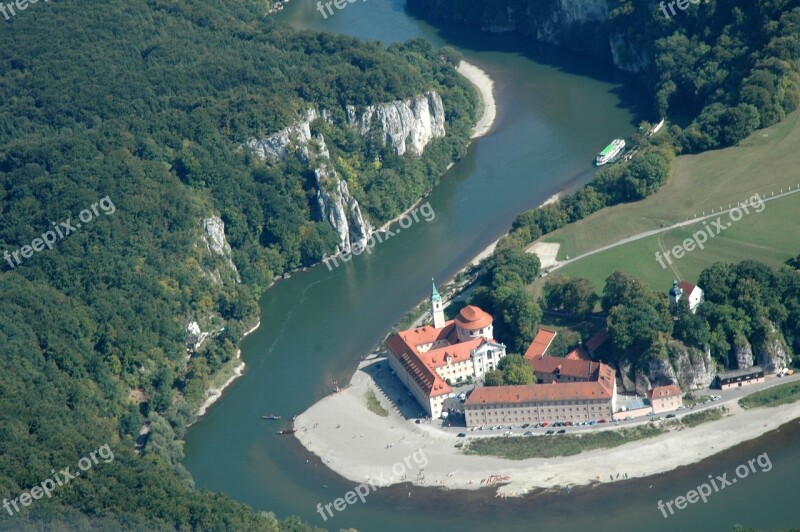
column 144, row 111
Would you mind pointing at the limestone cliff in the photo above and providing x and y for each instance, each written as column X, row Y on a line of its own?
column 217, row 245
column 583, row 26
column 694, row 369
column 408, row 126
column 773, row 354
column 688, row 367
column 743, row 352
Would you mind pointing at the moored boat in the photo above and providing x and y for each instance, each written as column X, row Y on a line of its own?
column 271, row 416
column 609, row 152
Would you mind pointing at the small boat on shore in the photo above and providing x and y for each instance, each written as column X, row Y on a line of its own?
column 271, row 416
column 287, row 431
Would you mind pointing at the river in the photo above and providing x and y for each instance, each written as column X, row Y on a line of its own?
column 554, row 112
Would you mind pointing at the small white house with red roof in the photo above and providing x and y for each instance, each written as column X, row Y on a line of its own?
column 688, row 290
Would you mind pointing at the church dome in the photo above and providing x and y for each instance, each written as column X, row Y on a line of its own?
column 472, row 318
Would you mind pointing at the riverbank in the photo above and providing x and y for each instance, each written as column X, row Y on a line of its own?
column 359, row 445
column 215, row 392
column 485, row 86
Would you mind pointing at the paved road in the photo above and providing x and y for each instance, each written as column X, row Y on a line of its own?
column 646, row 234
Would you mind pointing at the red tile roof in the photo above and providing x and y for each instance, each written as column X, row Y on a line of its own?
column 540, row 343
column 687, row 287
column 405, row 345
column 596, row 341
column 430, row 381
column 472, row 318
column 568, row 367
column 662, row 392
column 579, row 353
column 436, row 358
column 528, row 393
column 428, row 334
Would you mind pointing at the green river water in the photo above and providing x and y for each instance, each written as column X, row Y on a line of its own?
column 555, row 111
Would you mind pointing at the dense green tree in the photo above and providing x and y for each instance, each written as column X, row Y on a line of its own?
column 572, row 295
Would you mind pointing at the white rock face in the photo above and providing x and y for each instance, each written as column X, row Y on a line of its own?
column 340, row 208
column 744, row 353
column 694, row 368
column 216, row 243
column 773, row 354
column 278, row 145
column 408, row 125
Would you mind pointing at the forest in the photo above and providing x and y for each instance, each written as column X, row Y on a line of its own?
column 148, row 103
column 721, row 68
column 747, row 306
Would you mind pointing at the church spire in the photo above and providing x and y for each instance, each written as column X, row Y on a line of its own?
column 437, row 308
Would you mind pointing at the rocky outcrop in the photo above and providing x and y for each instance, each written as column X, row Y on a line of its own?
column 339, row 208
column 216, row 244
column 582, row 26
column 278, row 146
column 336, row 204
column 773, row 354
column 694, row 369
column 564, row 15
column 689, row 368
column 408, row 125
column 743, row 352
column 660, row 372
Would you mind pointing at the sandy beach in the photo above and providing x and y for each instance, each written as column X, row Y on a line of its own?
column 213, row 394
column 361, row 445
column 485, row 86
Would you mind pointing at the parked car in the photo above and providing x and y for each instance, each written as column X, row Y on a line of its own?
column 507, row 433
column 562, row 431
column 670, row 415
column 526, row 425
column 568, row 424
column 545, row 423
column 461, row 435
column 462, row 396
column 602, row 421
column 593, row 422
column 551, row 431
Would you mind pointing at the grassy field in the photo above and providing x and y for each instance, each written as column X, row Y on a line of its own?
column 542, row 446
column 778, row 395
column 769, row 236
column 373, row 405
column 764, row 163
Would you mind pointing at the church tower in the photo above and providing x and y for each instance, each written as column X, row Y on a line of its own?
column 437, row 308
column 675, row 293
